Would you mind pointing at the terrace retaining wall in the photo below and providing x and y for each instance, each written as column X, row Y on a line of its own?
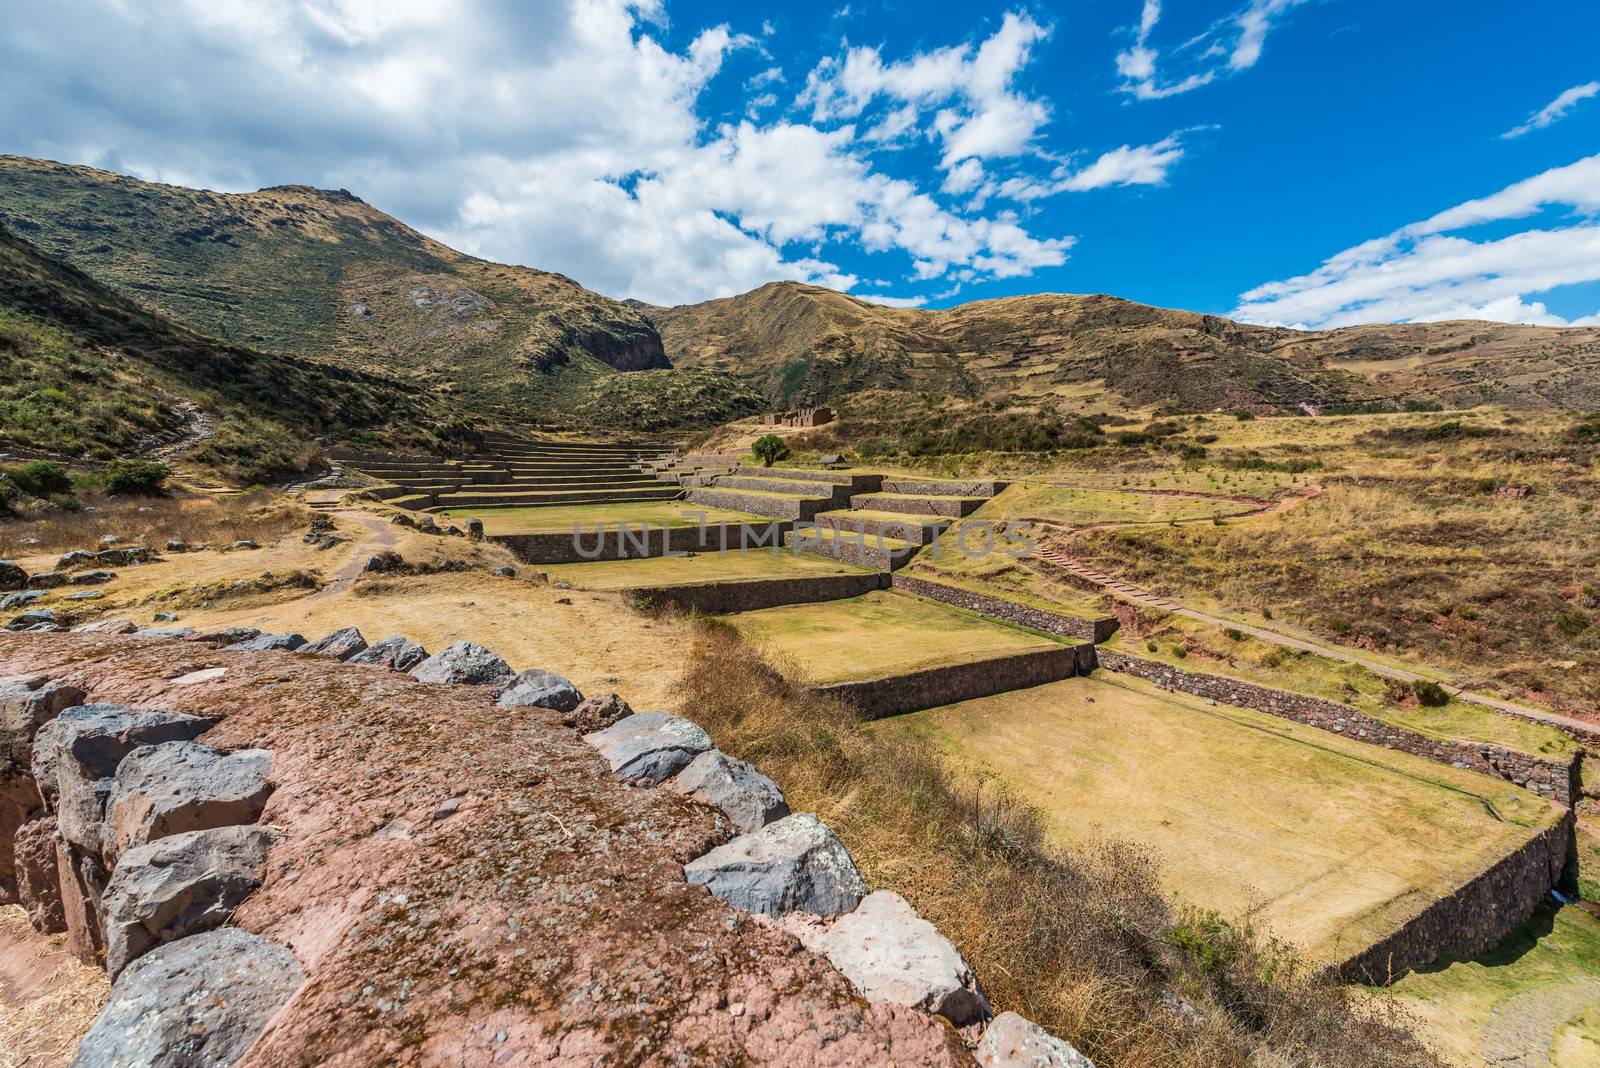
column 639, row 541
column 1475, row 917
column 1090, row 630
column 723, row 598
column 933, row 687
column 1556, row 779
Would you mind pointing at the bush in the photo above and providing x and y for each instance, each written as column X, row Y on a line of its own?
column 135, row 478
column 1430, row 694
column 1233, row 634
column 769, row 449
column 40, row 478
column 1571, row 622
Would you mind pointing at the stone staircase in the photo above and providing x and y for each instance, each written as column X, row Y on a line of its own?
column 519, row 472
column 790, row 494
column 884, row 528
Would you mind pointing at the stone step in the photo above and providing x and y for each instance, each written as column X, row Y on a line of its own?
column 773, row 505
column 772, row 484
column 943, row 487
column 534, row 500
column 880, row 554
column 856, row 480
column 915, row 530
column 952, row 507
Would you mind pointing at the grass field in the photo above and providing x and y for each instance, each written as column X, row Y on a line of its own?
column 1532, row 1000
column 702, row 567
column 1324, row 841
column 877, row 635
column 563, row 518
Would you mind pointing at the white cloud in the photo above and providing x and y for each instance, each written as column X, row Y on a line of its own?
column 1556, row 110
column 558, row 133
column 1230, row 45
column 894, row 302
column 1427, row 272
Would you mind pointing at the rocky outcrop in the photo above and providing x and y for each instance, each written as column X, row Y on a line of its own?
column 262, row 643
column 225, row 636
column 397, row 653
column 597, row 713
column 342, row 644
column 650, row 746
column 179, row 886
column 1013, row 1042
column 12, row 577
column 163, row 790
column 38, row 879
column 462, row 662
column 748, row 798
column 794, row 865
column 540, row 689
column 27, row 703
column 202, row 1000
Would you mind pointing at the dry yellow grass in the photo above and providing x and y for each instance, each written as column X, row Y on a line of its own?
column 47, row 998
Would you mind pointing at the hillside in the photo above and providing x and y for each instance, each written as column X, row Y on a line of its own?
column 807, row 345
column 321, row 273
column 84, row 371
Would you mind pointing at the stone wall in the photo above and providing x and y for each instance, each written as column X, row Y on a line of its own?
column 1555, row 778
column 721, row 598
column 1090, row 630
column 852, row 549
column 1475, row 917
column 932, row 687
column 949, row 487
column 639, row 541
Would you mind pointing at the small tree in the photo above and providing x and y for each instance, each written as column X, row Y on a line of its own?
column 134, row 478
column 769, row 449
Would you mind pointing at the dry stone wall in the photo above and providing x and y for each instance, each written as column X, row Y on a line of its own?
column 637, row 541
column 932, row 687
column 1090, row 630
column 722, row 598
column 1552, row 777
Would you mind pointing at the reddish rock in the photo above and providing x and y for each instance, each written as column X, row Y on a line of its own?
column 597, row 713
column 82, row 881
column 38, row 885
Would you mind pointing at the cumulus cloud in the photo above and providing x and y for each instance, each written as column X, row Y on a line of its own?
column 1428, row 271
column 1554, row 111
column 1229, row 45
column 558, row 133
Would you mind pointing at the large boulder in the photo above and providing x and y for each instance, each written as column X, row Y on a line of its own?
column 82, row 880
column 75, row 559
column 540, row 689
column 76, row 755
column 162, row 790
column 463, row 662
column 128, row 554
column 32, row 618
column 597, row 713
column 893, row 955
column 1013, row 1042
column 270, row 642
column 794, row 865
column 398, row 653
column 92, row 578
column 224, row 636
column 28, row 702
column 650, row 745
column 749, row 798
column 21, row 599
column 108, row 626
column 179, row 886
column 12, row 577
column 201, row 1000
column 340, row 645
column 47, row 580
column 38, row 882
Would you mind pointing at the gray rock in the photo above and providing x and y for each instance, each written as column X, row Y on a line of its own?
column 1013, row 1042
column 454, row 531
column 130, row 554
column 400, row 519
column 46, row 628
column 76, row 754
column 28, row 702
column 650, row 745
column 597, row 713
column 244, row 543
column 179, row 886
column 33, row 850
column 225, row 636
column 199, row 1002
column 92, row 578
column 108, row 626
column 475, row 529
column 540, row 689
column 896, row 957
column 398, row 653
column 163, row 632
column 387, row 560
column 506, row 572
column 21, row 599
column 47, row 580
column 462, row 662
column 32, row 618
column 12, row 577
column 749, row 798
column 85, row 595
column 269, row 642
column 427, row 525
column 162, row 790
column 794, row 865
column 340, row 645
column 76, row 558
column 164, row 617
column 176, row 546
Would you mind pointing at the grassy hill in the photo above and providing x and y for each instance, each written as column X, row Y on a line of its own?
column 808, row 345
column 86, row 372
column 322, row 274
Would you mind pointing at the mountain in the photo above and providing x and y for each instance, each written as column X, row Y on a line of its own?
column 86, row 372
column 806, row 345
column 321, row 274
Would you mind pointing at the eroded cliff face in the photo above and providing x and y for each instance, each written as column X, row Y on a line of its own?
column 469, row 884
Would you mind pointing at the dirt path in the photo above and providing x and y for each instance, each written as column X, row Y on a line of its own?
column 378, row 534
column 1521, row 1030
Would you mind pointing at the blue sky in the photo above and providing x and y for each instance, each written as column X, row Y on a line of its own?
column 1307, row 162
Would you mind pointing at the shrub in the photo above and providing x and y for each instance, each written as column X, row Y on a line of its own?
column 40, row 478
column 135, row 478
column 1571, row 622
column 1430, row 694
column 769, row 449
column 1233, row 634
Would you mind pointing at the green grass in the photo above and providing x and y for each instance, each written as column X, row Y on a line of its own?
column 1465, row 1006
column 877, row 635
column 559, row 518
column 1210, row 649
column 1325, row 841
column 732, row 566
